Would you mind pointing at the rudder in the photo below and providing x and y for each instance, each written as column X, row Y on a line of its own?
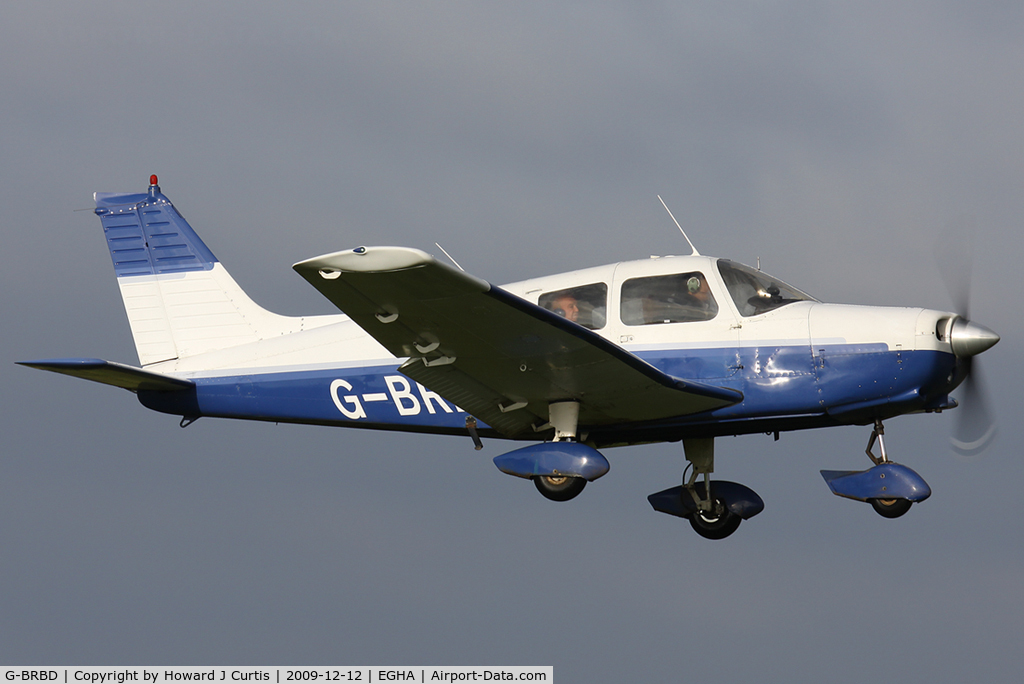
column 179, row 299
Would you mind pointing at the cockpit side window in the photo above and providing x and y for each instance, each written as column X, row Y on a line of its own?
column 586, row 305
column 675, row 298
column 755, row 292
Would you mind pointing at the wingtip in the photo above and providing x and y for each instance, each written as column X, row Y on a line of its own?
column 365, row 260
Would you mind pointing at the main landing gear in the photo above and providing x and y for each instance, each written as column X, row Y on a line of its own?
column 890, row 488
column 561, row 468
column 711, row 519
column 559, row 487
column 714, row 508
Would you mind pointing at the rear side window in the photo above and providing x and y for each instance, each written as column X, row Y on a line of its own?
column 676, row 298
column 586, row 305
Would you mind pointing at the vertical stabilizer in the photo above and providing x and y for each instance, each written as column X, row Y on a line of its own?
column 179, row 299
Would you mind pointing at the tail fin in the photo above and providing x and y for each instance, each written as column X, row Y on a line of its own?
column 179, row 299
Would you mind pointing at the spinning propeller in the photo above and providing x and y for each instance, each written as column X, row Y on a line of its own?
column 975, row 427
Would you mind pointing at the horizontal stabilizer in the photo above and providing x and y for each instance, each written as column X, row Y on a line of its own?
column 110, row 373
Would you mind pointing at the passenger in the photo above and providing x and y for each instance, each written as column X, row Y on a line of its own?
column 566, row 307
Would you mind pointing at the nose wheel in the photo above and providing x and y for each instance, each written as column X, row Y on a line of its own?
column 889, row 487
column 887, row 508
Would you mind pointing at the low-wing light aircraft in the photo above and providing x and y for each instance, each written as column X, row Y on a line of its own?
column 681, row 348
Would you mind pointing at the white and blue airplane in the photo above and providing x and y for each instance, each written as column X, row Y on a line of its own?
column 678, row 348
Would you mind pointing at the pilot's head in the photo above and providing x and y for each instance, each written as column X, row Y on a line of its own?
column 565, row 305
column 698, row 288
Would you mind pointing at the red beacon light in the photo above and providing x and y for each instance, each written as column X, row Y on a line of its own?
column 154, row 189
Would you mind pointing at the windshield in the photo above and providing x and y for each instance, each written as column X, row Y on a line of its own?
column 755, row 292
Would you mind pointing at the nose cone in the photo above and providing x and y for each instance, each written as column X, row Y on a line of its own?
column 968, row 339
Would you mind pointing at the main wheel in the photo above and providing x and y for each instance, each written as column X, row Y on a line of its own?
column 717, row 525
column 891, row 508
column 559, row 487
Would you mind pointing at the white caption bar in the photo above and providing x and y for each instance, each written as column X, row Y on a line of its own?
column 273, row 675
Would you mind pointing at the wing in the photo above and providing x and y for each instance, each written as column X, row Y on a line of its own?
column 495, row 355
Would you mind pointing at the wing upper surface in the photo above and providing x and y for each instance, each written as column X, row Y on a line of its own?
column 493, row 354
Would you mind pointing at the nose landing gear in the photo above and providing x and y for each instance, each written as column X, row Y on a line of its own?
column 890, row 488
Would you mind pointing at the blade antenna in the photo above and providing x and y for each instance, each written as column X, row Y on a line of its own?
column 450, row 257
column 695, row 252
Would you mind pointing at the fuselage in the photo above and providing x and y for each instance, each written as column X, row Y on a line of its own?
column 798, row 362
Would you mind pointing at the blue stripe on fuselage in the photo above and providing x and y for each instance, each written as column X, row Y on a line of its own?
column 350, row 396
column 776, row 381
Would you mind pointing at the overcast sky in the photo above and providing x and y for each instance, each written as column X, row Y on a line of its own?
column 840, row 143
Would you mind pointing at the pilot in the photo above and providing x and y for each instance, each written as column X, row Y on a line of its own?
column 565, row 306
column 697, row 288
column 700, row 302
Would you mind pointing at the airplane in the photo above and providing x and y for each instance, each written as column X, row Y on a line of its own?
column 670, row 349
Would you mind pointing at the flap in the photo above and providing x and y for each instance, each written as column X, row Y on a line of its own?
column 493, row 354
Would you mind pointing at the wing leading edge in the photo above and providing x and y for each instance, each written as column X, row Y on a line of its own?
column 497, row 356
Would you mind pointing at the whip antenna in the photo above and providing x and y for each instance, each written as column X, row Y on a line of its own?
column 695, row 252
column 450, row 257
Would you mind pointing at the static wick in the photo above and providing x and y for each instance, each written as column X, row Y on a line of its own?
column 695, row 252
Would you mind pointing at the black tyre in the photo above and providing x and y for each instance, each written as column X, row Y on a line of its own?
column 891, row 508
column 559, row 487
column 717, row 525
